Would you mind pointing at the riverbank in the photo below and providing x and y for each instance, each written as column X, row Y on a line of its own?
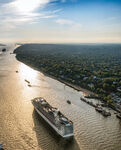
column 77, row 66
column 85, row 91
column 15, row 99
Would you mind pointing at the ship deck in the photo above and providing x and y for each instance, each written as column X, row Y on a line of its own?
column 50, row 112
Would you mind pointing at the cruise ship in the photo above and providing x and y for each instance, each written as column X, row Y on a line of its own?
column 61, row 124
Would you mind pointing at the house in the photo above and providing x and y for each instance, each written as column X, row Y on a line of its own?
column 91, row 85
column 85, row 78
column 119, row 89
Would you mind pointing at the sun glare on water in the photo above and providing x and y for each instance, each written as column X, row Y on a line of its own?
column 27, row 73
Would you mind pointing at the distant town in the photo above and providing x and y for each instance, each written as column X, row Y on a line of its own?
column 96, row 68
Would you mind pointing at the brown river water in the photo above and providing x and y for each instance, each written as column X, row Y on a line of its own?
column 22, row 129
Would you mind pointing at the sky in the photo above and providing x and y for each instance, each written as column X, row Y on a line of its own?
column 60, row 21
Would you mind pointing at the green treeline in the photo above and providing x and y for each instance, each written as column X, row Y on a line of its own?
column 94, row 67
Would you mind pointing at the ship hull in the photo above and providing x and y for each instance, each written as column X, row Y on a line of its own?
column 53, row 126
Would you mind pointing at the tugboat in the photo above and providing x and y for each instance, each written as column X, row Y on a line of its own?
column 68, row 101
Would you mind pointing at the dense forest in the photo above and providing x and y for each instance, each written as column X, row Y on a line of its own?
column 93, row 67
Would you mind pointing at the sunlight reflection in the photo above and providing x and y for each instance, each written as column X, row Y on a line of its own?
column 28, row 6
column 27, row 72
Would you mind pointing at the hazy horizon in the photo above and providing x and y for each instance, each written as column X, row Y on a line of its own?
column 60, row 21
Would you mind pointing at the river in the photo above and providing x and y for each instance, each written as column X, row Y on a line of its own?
column 22, row 129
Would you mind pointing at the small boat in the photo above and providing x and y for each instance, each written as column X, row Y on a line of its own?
column 106, row 113
column 68, row 101
column 29, row 85
column 99, row 109
column 27, row 81
column 4, row 49
column 118, row 115
column 16, row 71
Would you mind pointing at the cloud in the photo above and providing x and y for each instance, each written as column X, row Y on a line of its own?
column 18, row 12
column 68, row 22
column 25, row 6
column 64, row 21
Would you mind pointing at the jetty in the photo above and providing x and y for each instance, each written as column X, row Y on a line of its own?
column 98, row 107
column 88, row 102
